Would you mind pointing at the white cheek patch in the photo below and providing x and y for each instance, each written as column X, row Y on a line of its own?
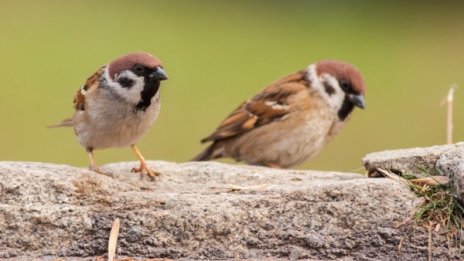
column 329, row 80
column 335, row 99
column 313, row 78
column 131, row 94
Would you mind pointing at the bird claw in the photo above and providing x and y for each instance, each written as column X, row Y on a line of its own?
column 144, row 169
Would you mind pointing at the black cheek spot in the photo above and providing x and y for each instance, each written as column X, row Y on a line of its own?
column 126, row 82
column 328, row 88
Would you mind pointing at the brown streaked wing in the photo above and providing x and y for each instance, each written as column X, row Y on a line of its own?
column 91, row 84
column 268, row 106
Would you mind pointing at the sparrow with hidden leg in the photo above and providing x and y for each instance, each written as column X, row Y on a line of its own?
column 292, row 119
column 117, row 105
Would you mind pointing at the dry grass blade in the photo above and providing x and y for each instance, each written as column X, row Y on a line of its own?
column 449, row 114
column 439, row 209
column 113, row 240
column 431, row 181
column 429, row 245
column 393, row 176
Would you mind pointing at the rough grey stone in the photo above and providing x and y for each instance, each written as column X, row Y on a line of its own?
column 447, row 160
column 414, row 160
column 451, row 164
column 197, row 211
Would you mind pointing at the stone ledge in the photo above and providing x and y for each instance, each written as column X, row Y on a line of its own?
column 204, row 210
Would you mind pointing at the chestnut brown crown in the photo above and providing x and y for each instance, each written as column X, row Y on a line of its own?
column 345, row 73
column 128, row 61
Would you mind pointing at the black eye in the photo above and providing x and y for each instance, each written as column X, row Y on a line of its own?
column 345, row 85
column 138, row 68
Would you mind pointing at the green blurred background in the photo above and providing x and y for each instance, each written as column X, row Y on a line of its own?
column 219, row 53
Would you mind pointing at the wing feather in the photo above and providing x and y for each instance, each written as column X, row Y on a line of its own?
column 272, row 104
column 91, row 84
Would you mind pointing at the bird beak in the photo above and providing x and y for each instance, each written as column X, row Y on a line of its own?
column 159, row 74
column 357, row 100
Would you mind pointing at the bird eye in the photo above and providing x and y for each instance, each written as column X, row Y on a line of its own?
column 345, row 85
column 138, row 68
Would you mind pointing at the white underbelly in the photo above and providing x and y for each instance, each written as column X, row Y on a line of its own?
column 109, row 127
column 285, row 146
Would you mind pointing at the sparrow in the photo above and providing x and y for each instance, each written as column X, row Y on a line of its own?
column 117, row 105
column 292, row 119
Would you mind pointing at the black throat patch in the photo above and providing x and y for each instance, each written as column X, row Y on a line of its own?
column 346, row 109
column 150, row 89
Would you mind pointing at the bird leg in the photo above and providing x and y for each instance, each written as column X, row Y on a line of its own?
column 93, row 165
column 143, row 164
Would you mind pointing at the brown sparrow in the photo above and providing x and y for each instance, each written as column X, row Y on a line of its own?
column 117, row 105
column 291, row 119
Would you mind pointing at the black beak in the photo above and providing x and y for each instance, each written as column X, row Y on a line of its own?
column 159, row 74
column 357, row 100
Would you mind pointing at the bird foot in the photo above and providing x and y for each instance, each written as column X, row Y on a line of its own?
column 145, row 169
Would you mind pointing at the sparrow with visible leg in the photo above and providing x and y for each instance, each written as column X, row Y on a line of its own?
column 292, row 119
column 117, row 105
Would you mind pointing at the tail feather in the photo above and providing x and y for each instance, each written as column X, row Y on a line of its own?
column 211, row 152
column 65, row 123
